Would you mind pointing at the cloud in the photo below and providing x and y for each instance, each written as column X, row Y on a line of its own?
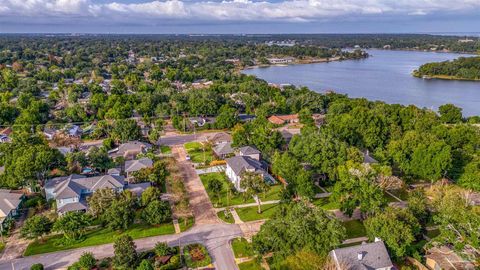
column 226, row 10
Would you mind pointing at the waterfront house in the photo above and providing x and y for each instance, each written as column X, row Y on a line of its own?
column 278, row 61
column 366, row 256
column 70, row 192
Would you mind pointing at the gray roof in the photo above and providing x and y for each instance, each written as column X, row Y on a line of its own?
column 224, row 148
column 240, row 164
column 133, row 147
column 248, row 150
column 374, row 256
column 368, row 159
column 8, row 201
column 75, row 206
column 136, row 165
column 72, row 186
column 221, row 137
column 139, row 188
column 114, row 171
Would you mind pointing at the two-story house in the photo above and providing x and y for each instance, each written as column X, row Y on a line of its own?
column 70, row 192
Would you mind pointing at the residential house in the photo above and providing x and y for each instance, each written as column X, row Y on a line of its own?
column 250, row 151
column 130, row 150
column 136, row 165
column 223, row 150
column 366, row 256
column 75, row 131
column 70, row 192
column 49, row 133
column 367, row 159
column 319, row 119
column 276, row 61
column 201, row 121
column 443, row 257
column 5, row 135
column 246, row 117
column 221, row 137
column 247, row 160
column 284, row 119
column 9, row 205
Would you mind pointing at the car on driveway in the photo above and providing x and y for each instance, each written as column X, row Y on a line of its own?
column 187, row 157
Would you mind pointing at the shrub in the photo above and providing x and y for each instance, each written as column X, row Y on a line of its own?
column 87, row 260
column 196, row 256
column 37, row 266
column 174, row 263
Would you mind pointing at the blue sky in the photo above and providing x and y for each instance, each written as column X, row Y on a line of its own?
column 239, row 16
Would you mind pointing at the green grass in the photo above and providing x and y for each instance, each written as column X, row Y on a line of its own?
column 2, row 246
column 400, row 193
column 229, row 219
column 326, row 204
column 432, row 233
column 250, row 265
column 354, row 229
column 229, row 198
column 389, row 198
column 196, row 153
column 242, row 248
column 190, row 222
column 250, row 213
column 165, row 149
column 98, row 237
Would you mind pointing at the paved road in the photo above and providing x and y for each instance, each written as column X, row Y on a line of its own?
column 214, row 236
column 172, row 140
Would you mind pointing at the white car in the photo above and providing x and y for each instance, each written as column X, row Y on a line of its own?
column 187, row 157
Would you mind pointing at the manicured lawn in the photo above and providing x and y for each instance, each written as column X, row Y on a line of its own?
column 196, row 153
column 229, row 198
column 165, row 149
column 98, row 237
column 250, row 213
column 242, row 248
column 250, row 265
column 326, row 204
column 354, row 228
column 228, row 219
column 185, row 226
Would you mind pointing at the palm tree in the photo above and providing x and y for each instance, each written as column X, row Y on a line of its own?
column 253, row 184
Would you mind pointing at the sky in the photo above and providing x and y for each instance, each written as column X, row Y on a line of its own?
column 239, row 16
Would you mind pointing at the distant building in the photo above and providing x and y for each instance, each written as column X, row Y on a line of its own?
column 221, row 137
column 283, row 119
column 201, row 121
column 246, row 117
column 371, row 256
column 277, row 61
column 367, row 159
column 75, row 131
column 5, row 135
column 130, row 150
column 70, row 192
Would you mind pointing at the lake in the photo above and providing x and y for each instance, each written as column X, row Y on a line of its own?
column 385, row 75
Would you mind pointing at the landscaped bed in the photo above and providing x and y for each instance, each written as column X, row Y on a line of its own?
column 196, row 255
column 250, row 213
column 229, row 197
column 242, row 248
column 354, row 229
column 197, row 154
column 97, row 237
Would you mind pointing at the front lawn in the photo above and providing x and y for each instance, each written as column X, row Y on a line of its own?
column 186, row 223
column 165, row 149
column 250, row 265
column 97, row 236
column 227, row 219
column 250, row 213
column 326, row 204
column 196, row 153
column 242, row 248
column 354, row 229
column 231, row 198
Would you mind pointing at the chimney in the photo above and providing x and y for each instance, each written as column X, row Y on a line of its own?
column 360, row 255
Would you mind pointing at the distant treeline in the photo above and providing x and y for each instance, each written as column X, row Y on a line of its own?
column 463, row 68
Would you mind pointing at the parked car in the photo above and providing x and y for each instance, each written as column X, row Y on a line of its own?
column 187, row 157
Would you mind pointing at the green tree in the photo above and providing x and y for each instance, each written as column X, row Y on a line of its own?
column 227, row 117
column 157, row 212
column 418, row 206
column 35, row 226
column 87, row 261
column 296, row 227
column 37, row 266
column 145, row 265
column 99, row 159
column 357, row 187
column 470, row 178
column 253, row 184
column 396, row 227
column 72, row 225
column 450, row 114
column 162, row 249
column 125, row 253
column 299, row 180
column 120, row 214
column 100, row 201
column 125, row 130
column 215, row 186
column 149, row 195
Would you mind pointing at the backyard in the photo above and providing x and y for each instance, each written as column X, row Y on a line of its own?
column 229, row 198
column 97, row 236
column 354, row 229
column 197, row 154
column 250, row 213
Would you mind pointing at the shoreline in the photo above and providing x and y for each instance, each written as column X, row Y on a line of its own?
column 302, row 62
column 443, row 77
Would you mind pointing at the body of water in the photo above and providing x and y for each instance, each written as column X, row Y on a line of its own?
column 385, row 76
